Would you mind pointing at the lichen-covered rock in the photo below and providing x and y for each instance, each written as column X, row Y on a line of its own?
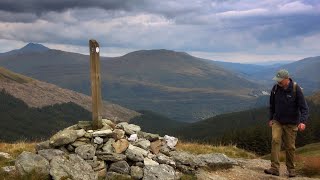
column 163, row 159
column 135, row 153
column 80, row 132
column 63, row 137
column 186, row 158
column 113, row 157
column 160, row 172
column 107, row 147
column 28, row 162
column 121, row 167
column 50, row 153
column 116, row 176
column 72, row 167
column 129, row 128
column 217, row 160
column 86, row 151
column 142, row 143
column 136, row 172
column 148, row 136
column 43, row 145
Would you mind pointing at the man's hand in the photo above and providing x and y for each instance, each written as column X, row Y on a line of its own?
column 301, row 127
column 270, row 123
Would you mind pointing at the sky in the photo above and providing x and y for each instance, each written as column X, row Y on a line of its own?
column 226, row 30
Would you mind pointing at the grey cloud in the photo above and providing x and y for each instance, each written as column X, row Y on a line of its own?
column 17, row 17
column 123, row 24
column 41, row 6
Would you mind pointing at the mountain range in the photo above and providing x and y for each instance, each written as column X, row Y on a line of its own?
column 172, row 83
column 304, row 72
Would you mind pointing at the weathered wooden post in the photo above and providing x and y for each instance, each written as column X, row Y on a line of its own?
column 95, row 84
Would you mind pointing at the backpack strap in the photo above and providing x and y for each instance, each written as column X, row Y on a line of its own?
column 274, row 89
column 294, row 89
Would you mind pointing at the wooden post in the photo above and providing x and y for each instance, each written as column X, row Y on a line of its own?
column 95, row 84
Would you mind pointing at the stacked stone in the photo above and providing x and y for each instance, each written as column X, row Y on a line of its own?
column 116, row 151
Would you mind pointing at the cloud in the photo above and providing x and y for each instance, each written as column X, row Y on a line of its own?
column 245, row 13
column 43, row 6
column 237, row 27
column 295, row 7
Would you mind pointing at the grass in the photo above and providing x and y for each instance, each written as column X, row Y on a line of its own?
column 14, row 149
column 307, row 160
column 308, row 166
column 309, row 150
column 231, row 150
column 6, row 74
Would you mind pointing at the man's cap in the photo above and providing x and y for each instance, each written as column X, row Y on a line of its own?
column 281, row 75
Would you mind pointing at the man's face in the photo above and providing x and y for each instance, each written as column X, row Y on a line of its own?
column 282, row 83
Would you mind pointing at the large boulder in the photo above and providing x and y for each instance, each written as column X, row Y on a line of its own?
column 72, row 167
column 217, row 160
column 188, row 159
column 28, row 162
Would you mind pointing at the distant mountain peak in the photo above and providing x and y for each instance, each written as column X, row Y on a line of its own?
column 34, row 47
column 29, row 48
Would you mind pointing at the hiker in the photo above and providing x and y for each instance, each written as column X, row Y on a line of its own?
column 288, row 114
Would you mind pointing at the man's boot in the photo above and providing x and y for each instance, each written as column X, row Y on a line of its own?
column 272, row 171
column 292, row 173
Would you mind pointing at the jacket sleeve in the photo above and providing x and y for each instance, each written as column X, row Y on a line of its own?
column 271, row 104
column 302, row 106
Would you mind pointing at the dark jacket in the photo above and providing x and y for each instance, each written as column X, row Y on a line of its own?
column 288, row 107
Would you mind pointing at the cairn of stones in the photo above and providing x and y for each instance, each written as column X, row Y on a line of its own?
column 116, row 151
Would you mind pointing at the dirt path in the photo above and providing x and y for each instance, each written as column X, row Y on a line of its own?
column 248, row 169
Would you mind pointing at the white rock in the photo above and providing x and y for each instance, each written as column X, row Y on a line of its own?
column 5, row 155
column 98, row 140
column 149, row 162
column 133, row 137
column 171, row 141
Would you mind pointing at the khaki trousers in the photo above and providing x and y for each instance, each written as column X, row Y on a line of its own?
column 288, row 134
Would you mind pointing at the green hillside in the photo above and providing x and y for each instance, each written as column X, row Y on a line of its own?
column 248, row 130
column 20, row 122
column 156, row 123
column 9, row 75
